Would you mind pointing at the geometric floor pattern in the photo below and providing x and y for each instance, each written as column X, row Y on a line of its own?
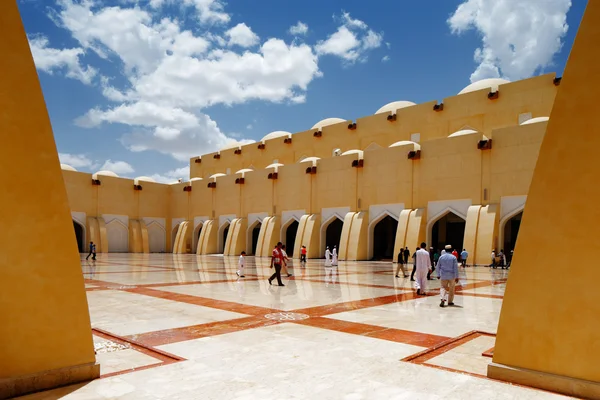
column 186, row 327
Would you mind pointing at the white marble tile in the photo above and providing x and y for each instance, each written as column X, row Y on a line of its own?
column 467, row 357
column 425, row 315
column 125, row 313
column 123, row 360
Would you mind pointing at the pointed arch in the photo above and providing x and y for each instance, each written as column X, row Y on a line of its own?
column 156, row 237
column 196, row 236
column 503, row 222
column 325, row 225
column 443, row 213
column 117, row 235
column 371, row 231
column 222, row 238
column 79, row 235
column 252, row 237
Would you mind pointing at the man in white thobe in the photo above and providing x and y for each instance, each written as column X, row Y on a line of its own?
column 334, row 260
column 327, row 257
column 423, row 263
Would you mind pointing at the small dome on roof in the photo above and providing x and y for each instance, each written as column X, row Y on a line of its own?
column 195, row 179
column 244, row 170
column 405, row 142
column 67, row 167
column 143, row 179
column 326, row 122
column 213, row 176
column 463, row 132
column 354, row 151
column 310, row 159
column 274, row 165
column 231, row 145
column 106, row 173
column 275, row 135
column 535, row 120
column 395, row 106
column 490, row 83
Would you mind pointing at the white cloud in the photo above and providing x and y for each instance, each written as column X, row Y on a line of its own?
column 49, row 59
column 385, row 59
column 241, row 35
column 300, row 29
column 173, row 175
column 249, row 126
column 169, row 75
column 118, row 167
column 351, row 42
column 77, row 160
column 520, row 37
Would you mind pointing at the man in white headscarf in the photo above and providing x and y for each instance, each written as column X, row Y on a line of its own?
column 334, row 257
column 423, row 263
column 327, row 257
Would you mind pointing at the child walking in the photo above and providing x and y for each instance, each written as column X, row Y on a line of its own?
column 241, row 265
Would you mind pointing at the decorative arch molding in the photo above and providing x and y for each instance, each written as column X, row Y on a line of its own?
column 254, row 217
column 159, row 221
column 224, row 222
column 226, row 219
column 287, row 218
column 120, row 243
column 200, row 220
column 124, row 219
column 393, row 210
column 328, row 214
column 509, row 207
column 80, row 218
column 325, row 224
column 373, row 221
column 373, row 146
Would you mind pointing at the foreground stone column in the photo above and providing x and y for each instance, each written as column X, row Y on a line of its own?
column 549, row 329
column 45, row 332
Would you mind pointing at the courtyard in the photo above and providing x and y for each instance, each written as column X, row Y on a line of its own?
column 171, row 326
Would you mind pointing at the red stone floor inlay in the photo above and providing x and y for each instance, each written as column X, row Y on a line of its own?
column 164, row 357
column 167, row 336
column 374, row 331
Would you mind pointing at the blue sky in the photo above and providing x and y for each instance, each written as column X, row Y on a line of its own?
column 138, row 87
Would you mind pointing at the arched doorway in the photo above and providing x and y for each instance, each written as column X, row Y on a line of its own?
column 333, row 233
column 79, row 235
column 196, row 238
column 156, row 238
column 224, row 234
column 384, row 239
column 450, row 229
column 511, row 231
column 290, row 237
column 255, row 235
column 174, row 236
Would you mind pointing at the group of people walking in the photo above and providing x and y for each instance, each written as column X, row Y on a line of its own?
column 425, row 263
column 331, row 257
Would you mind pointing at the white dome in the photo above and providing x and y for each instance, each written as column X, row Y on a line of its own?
column 67, row 167
column 232, row 145
column 214, row 176
column 417, row 146
column 244, row 170
column 463, row 132
column 491, row 83
column 195, row 179
column 326, row 122
column 310, row 159
column 106, row 173
column 143, row 179
column 354, row 151
column 274, row 165
column 535, row 120
column 394, row 106
column 275, row 135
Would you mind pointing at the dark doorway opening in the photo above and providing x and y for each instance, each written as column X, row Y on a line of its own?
column 511, row 231
column 198, row 239
column 333, row 234
column 225, row 233
column 79, row 235
column 450, row 229
column 255, row 234
column 384, row 239
column 290, row 238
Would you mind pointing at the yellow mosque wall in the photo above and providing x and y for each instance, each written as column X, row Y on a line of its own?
column 40, row 272
column 448, row 172
column 545, row 339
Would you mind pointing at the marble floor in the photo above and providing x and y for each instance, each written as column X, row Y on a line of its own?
column 186, row 327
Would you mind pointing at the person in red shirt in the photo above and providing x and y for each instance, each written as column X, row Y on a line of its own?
column 303, row 255
column 277, row 261
column 455, row 253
